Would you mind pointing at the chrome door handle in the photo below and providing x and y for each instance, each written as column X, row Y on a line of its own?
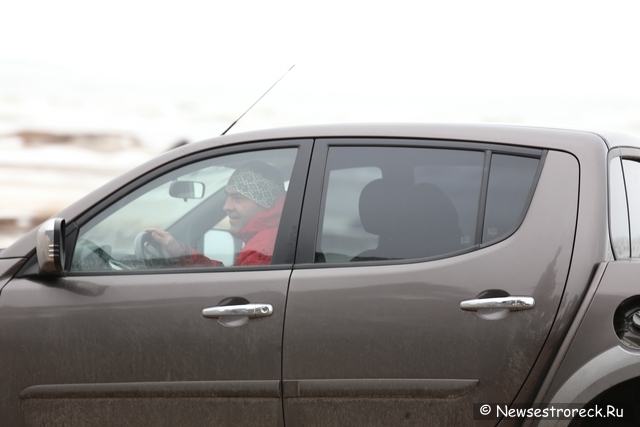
column 249, row 310
column 510, row 303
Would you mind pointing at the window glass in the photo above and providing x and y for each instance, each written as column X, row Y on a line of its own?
column 618, row 213
column 510, row 182
column 384, row 203
column 343, row 236
column 632, row 181
column 218, row 212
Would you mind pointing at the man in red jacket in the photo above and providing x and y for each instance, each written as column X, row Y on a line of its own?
column 255, row 197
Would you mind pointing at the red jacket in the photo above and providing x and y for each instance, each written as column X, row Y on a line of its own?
column 259, row 237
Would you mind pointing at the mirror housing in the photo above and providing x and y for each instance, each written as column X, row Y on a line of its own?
column 50, row 246
column 186, row 190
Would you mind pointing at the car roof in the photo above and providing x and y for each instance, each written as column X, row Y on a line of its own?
column 534, row 136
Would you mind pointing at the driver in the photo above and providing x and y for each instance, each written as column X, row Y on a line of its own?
column 255, row 197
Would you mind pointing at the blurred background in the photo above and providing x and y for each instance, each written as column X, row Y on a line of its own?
column 89, row 90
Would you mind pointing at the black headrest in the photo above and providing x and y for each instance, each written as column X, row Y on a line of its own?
column 411, row 221
column 377, row 204
column 439, row 206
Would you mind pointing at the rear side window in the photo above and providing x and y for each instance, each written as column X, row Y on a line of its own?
column 510, row 182
column 395, row 203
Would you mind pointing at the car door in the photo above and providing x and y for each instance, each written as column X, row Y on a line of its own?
column 406, row 247
column 124, row 339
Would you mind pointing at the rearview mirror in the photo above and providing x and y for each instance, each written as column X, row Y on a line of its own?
column 50, row 246
column 186, row 190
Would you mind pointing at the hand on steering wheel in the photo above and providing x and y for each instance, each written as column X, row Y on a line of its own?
column 154, row 245
column 146, row 248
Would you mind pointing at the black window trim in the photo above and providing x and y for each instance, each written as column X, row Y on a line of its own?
column 309, row 223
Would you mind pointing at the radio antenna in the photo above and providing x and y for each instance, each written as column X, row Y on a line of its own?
column 278, row 81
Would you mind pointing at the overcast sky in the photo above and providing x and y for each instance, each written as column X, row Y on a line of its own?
column 477, row 60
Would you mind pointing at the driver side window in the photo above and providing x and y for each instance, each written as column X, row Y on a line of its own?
column 220, row 212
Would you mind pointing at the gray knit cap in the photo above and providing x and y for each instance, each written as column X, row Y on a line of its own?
column 259, row 182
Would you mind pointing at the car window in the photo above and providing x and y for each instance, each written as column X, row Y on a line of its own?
column 394, row 203
column 383, row 203
column 220, row 212
column 618, row 213
column 510, row 182
column 343, row 235
column 632, row 181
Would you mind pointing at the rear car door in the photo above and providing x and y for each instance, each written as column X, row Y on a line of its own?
column 122, row 340
column 406, row 245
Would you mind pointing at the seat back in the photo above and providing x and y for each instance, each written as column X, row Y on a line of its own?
column 410, row 222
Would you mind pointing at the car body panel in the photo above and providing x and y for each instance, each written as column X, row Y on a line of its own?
column 597, row 336
column 123, row 340
column 133, row 347
column 8, row 268
column 370, row 325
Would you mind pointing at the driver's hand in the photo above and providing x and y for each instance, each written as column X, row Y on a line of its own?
column 170, row 245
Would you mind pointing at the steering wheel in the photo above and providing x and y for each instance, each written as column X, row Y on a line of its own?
column 148, row 250
column 103, row 255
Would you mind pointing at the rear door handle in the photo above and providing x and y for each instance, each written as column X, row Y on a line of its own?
column 249, row 310
column 513, row 303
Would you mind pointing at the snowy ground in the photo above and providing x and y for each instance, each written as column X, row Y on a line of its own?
column 36, row 182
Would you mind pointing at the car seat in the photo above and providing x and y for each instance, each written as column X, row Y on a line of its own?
column 414, row 222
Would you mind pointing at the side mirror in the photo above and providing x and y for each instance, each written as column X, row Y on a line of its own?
column 186, row 190
column 50, row 246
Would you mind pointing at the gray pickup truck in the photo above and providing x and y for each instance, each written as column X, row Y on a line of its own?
column 337, row 275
